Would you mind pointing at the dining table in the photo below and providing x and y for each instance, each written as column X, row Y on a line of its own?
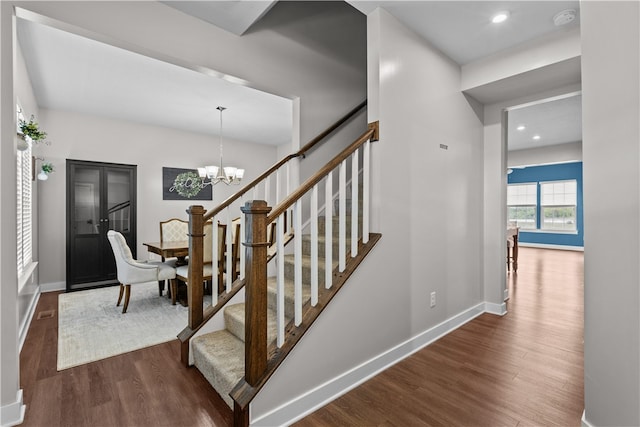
column 177, row 249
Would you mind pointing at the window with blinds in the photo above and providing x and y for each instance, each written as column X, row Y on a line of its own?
column 24, row 195
column 522, row 200
column 558, row 202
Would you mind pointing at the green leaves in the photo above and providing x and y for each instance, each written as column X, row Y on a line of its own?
column 31, row 129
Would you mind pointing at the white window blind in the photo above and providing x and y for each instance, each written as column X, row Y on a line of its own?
column 24, row 195
column 558, row 202
column 522, row 201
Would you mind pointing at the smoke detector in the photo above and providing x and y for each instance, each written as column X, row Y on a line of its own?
column 564, row 17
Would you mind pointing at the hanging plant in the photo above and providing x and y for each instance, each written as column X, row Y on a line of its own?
column 47, row 168
column 32, row 130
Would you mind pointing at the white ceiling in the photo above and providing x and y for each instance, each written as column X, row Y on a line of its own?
column 549, row 120
column 73, row 73
column 137, row 88
column 463, row 29
column 233, row 16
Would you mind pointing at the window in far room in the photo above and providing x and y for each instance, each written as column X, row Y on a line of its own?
column 522, row 200
column 558, row 202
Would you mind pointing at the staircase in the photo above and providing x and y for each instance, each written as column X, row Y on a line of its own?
column 238, row 360
column 220, row 355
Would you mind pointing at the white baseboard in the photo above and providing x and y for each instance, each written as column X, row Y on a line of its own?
column 545, row 246
column 331, row 390
column 493, row 308
column 584, row 421
column 13, row 413
column 53, row 286
column 24, row 327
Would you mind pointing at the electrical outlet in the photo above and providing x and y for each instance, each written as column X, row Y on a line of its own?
column 433, row 299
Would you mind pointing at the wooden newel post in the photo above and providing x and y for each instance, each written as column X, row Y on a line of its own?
column 255, row 356
column 195, row 289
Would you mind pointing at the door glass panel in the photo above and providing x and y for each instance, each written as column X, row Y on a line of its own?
column 87, row 201
column 119, row 200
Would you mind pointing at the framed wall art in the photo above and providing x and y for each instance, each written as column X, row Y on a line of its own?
column 184, row 184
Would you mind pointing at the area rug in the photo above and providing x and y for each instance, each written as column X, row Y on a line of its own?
column 91, row 327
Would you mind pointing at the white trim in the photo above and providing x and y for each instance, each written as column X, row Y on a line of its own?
column 584, row 421
column 13, row 413
column 497, row 309
column 546, row 231
column 307, row 403
column 24, row 327
column 27, row 274
column 53, row 286
column 546, row 246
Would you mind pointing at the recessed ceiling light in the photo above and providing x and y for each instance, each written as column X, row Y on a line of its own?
column 500, row 17
column 536, row 137
column 521, row 127
column 564, row 17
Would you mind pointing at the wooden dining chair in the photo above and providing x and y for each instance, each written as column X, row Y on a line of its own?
column 182, row 272
column 172, row 230
column 235, row 249
column 512, row 248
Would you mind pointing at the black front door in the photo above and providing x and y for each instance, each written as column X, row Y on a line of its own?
column 100, row 197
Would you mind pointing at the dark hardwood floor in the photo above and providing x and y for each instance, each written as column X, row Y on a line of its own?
column 523, row 369
column 148, row 387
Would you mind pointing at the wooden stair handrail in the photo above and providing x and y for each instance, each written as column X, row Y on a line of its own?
column 300, row 153
column 318, row 176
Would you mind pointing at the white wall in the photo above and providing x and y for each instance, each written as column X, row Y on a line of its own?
column 431, row 232
column 569, row 152
column 84, row 137
column 611, row 138
column 11, row 407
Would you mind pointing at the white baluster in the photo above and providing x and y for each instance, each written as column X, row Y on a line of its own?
column 342, row 215
column 297, row 250
column 354, row 203
column 240, row 247
column 328, row 231
column 278, row 184
column 365, row 191
column 288, row 179
column 280, row 310
column 267, row 189
column 228, row 251
column 314, row 245
column 214, row 257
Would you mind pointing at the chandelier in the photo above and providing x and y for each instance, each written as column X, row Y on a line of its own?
column 216, row 174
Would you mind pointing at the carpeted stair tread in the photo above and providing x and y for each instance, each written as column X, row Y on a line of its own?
column 219, row 356
column 288, row 295
column 289, row 267
column 234, row 318
column 306, row 245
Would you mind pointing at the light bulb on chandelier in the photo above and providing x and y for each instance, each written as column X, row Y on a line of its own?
column 230, row 175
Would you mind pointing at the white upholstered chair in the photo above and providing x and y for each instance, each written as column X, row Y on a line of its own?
column 131, row 271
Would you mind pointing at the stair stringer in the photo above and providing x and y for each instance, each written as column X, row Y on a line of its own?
column 243, row 393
